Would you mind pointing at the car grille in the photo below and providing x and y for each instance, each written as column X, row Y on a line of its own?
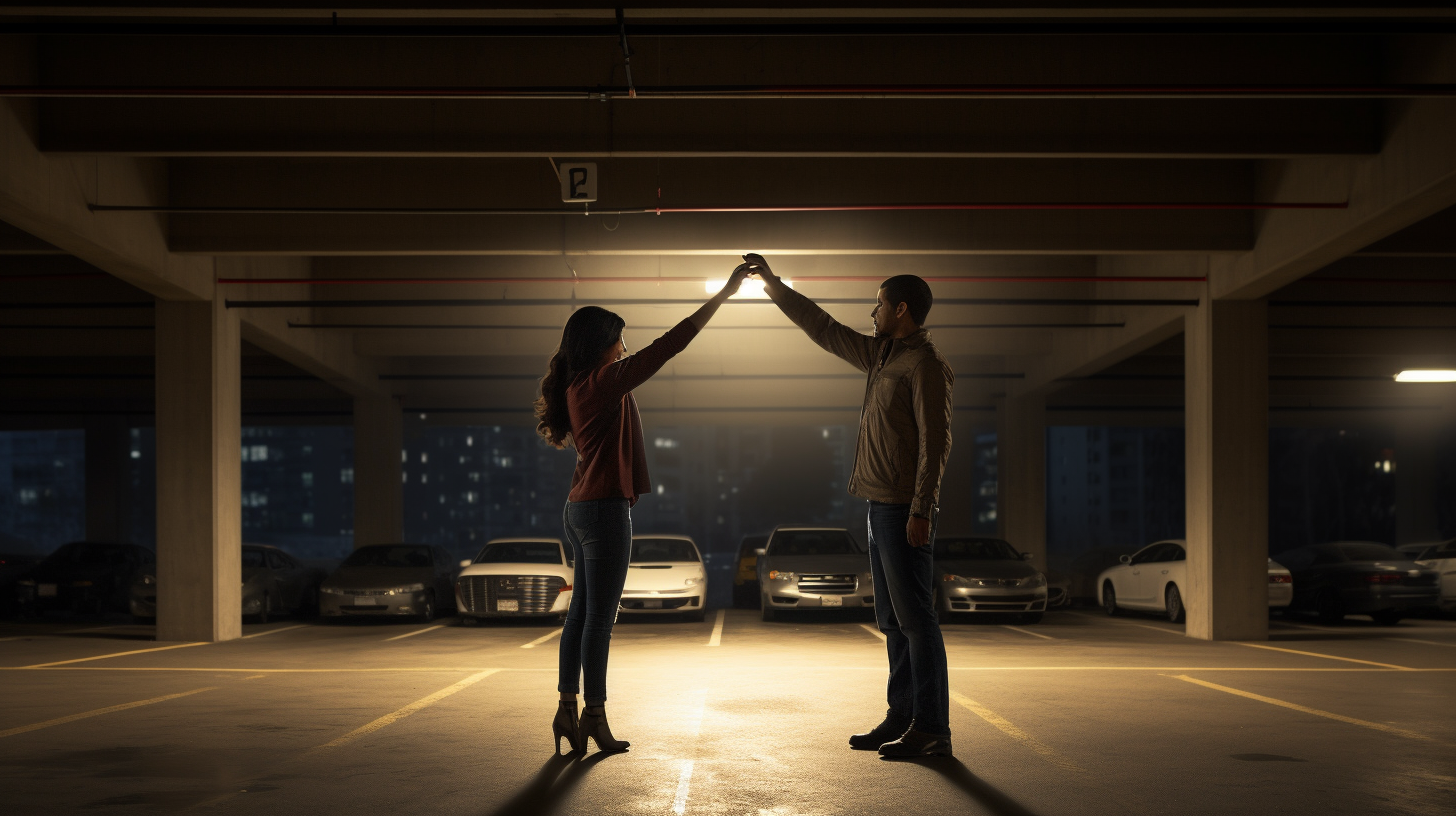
column 828, row 584
column 1026, row 598
column 536, row 593
column 663, row 603
column 366, row 592
column 996, row 582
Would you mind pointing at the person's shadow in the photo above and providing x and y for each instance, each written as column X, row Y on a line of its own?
column 984, row 793
column 549, row 788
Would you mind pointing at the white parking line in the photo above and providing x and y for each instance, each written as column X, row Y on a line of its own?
column 17, row 637
column 1389, row 729
column 415, row 632
column 680, row 803
column 540, row 640
column 1006, row 727
column 1426, row 642
column 396, row 716
column 274, row 631
column 872, row 630
column 108, row 710
column 1027, row 632
column 1327, row 657
column 113, row 654
column 717, row 638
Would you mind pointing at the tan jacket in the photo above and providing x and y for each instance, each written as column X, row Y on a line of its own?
column 904, row 427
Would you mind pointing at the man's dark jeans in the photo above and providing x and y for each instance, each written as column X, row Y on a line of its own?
column 919, row 688
column 600, row 536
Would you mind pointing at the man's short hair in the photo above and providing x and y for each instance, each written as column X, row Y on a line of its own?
column 911, row 290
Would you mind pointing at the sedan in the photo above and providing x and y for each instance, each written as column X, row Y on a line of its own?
column 665, row 576
column 1442, row 558
column 1360, row 578
column 813, row 568
column 1153, row 579
column 745, row 575
column 987, row 575
column 390, row 579
column 84, row 576
column 515, row 578
column 274, row 582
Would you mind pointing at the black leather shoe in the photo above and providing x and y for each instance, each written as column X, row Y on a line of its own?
column 916, row 744
column 891, row 728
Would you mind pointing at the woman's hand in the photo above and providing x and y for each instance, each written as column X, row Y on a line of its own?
column 736, row 280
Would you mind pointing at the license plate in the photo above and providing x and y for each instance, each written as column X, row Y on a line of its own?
column 508, row 605
column 365, row 600
column 831, row 600
column 652, row 604
column 46, row 590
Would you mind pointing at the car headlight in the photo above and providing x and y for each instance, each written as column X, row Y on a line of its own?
column 331, row 590
column 149, row 579
column 692, row 581
column 954, row 579
column 407, row 589
column 1037, row 580
column 780, row 575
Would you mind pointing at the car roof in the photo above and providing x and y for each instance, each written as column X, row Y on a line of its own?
column 636, row 536
column 787, row 527
column 524, row 540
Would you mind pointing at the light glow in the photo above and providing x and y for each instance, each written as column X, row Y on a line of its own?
column 750, row 288
column 1426, row 376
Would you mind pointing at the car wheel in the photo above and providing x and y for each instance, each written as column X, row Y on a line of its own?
column 767, row 611
column 427, row 614
column 1386, row 617
column 1329, row 608
column 1109, row 598
column 1031, row 617
column 1173, row 603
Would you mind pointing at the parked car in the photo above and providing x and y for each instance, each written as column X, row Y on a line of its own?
column 13, row 567
column 665, row 576
column 274, row 582
column 390, row 579
column 84, row 576
column 515, row 578
column 813, row 568
column 1153, row 578
column 745, row 577
column 1360, row 578
column 987, row 575
column 1442, row 558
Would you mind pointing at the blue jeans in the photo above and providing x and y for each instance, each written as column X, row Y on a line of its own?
column 919, row 687
column 599, row 533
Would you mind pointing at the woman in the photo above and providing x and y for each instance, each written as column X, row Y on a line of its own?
column 586, row 402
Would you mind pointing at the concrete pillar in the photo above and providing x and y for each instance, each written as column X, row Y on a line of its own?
column 1416, row 447
column 378, row 470
column 1021, row 474
column 1227, row 433
column 108, row 479
column 199, row 472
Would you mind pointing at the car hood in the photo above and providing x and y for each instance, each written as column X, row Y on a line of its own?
column 560, row 570
column 660, row 576
column 983, row 568
column 64, row 573
column 379, row 577
column 816, row 563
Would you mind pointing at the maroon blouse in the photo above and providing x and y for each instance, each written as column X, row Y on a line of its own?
column 605, row 426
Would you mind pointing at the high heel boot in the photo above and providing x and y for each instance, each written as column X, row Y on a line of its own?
column 594, row 726
column 566, row 725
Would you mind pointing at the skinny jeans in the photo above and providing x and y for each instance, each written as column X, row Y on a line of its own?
column 600, row 535
column 919, row 686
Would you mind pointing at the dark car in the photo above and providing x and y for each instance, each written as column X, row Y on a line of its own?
column 390, row 579
column 745, row 573
column 13, row 567
column 1359, row 578
column 84, row 576
column 274, row 582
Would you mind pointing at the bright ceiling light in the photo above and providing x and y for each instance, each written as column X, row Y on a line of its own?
column 1426, row 376
column 751, row 288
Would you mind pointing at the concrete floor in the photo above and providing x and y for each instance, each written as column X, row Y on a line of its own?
column 1078, row 715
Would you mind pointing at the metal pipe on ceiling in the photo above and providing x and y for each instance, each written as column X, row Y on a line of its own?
column 571, row 302
column 676, row 279
column 170, row 209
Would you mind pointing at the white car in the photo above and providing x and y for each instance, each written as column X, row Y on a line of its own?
column 665, row 577
column 513, row 578
column 1441, row 558
column 1152, row 580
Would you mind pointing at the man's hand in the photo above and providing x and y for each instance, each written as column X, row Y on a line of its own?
column 758, row 266
column 917, row 531
column 735, row 280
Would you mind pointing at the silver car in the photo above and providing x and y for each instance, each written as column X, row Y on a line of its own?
column 390, row 579
column 987, row 575
column 813, row 568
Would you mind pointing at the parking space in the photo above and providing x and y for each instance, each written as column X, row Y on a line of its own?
column 1117, row 715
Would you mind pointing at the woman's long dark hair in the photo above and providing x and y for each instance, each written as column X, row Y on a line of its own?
column 590, row 332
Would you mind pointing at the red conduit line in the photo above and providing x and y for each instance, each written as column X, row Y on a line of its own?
column 1191, row 205
column 815, row 279
column 724, row 92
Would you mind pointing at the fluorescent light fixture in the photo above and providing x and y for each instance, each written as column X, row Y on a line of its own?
column 1426, row 376
column 750, row 288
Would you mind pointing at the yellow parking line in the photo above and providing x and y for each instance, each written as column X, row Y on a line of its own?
column 1426, row 642
column 276, row 631
column 1325, row 656
column 872, row 630
column 540, row 640
column 717, row 637
column 396, row 716
column 415, row 632
column 10, row 732
column 1027, row 632
column 113, row 654
column 1389, row 729
column 1010, row 730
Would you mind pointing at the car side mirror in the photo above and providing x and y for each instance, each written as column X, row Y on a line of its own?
column 1028, row 556
column 465, row 563
column 1126, row 559
column 761, row 551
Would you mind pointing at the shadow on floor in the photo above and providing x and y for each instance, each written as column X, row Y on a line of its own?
column 549, row 788
column 979, row 790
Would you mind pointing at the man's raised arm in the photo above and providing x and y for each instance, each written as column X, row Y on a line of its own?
column 831, row 335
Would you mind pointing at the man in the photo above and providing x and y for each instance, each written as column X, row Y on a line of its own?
column 903, row 444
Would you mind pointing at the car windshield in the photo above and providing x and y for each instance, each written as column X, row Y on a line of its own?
column 520, row 552
column 390, row 555
column 1370, row 551
column 85, row 553
column 812, row 542
column 649, row 550
column 252, row 558
column 975, row 549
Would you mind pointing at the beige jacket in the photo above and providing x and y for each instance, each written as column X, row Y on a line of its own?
column 904, row 427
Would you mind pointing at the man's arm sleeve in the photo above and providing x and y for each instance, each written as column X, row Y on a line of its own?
column 834, row 337
column 932, row 399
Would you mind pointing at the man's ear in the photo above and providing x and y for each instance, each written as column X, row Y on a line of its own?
column 902, row 309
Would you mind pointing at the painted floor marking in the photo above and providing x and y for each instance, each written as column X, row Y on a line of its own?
column 275, row 631
column 113, row 654
column 1309, row 626
column 9, row 732
column 1027, row 632
column 1010, row 730
column 396, row 716
column 415, row 632
column 680, row 802
column 1325, row 656
column 540, row 640
column 1389, row 729
column 91, row 629
column 872, row 630
column 717, row 638
column 16, row 637
column 1427, row 642
column 1162, row 629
